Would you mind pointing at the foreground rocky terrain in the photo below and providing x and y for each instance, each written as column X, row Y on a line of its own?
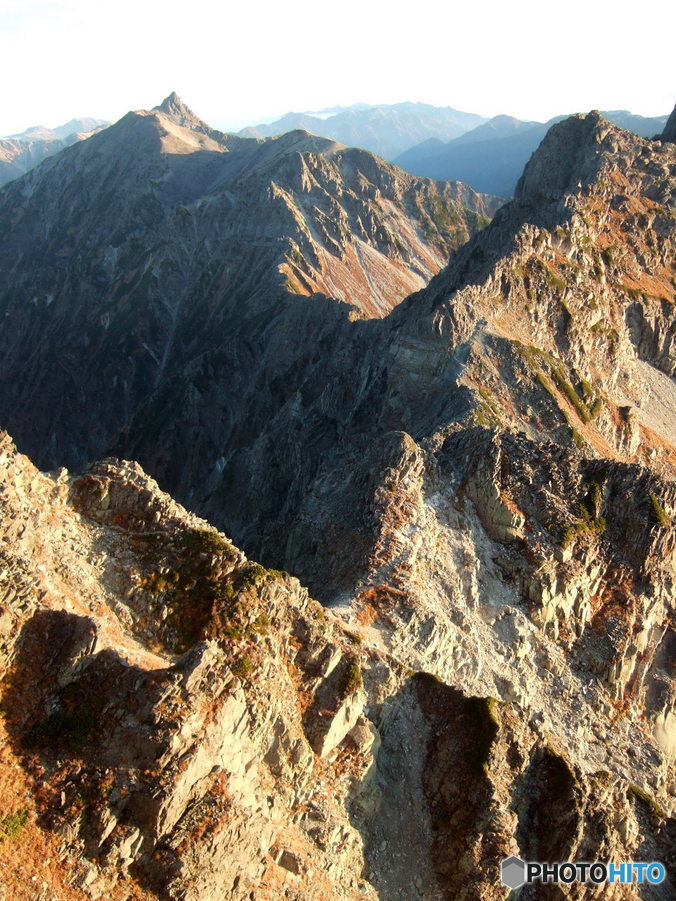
column 478, row 488
column 182, row 723
column 162, row 695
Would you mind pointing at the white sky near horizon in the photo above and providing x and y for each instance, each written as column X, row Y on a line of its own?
column 241, row 64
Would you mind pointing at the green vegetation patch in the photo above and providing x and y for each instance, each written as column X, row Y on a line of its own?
column 352, row 679
column 13, row 824
column 444, row 213
column 354, row 637
column 203, row 590
column 596, row 407
column 586, row 403
column 242, row 666
column 488, row 413
column 661, row 516
column 588, row 510
column 543, row 383
column 207, row 541
column 578, row 439
column 553, row 281
column 292, row 286
column 655, row 808
column 567, row 389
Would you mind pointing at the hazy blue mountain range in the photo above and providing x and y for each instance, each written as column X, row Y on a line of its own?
column 386, row 130
column 82, row 125
column 19, row 153
column 491, row 157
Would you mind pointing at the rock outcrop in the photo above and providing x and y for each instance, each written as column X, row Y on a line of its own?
column 158, row 690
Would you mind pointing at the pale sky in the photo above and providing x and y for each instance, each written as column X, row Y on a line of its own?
column 238, row 64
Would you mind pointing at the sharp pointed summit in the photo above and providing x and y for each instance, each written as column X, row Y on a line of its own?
column 181, row 113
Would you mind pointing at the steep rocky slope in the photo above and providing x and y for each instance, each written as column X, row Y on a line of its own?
column 182, row 723
column 479, row 489
column 126, row 258
column 555, row 322
column 157, row 696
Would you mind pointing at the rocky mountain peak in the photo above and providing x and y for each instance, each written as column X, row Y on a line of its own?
column 569, row 155
column 181, row 113
column 201, row 230
column 172, row 105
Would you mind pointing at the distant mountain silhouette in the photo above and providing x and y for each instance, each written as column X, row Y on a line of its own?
column 385, row 130
column 83, row 125
column 491, row 157
column 19, row 153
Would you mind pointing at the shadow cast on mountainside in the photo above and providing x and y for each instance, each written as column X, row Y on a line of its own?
column 84, row 724
column 427, row 798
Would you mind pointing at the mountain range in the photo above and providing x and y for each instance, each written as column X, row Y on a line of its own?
column 386, row 130
column 85, row 125
column 491, row 157
column 425, row 140
column 457, row 644
column 19, row 153
column 183, row 238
